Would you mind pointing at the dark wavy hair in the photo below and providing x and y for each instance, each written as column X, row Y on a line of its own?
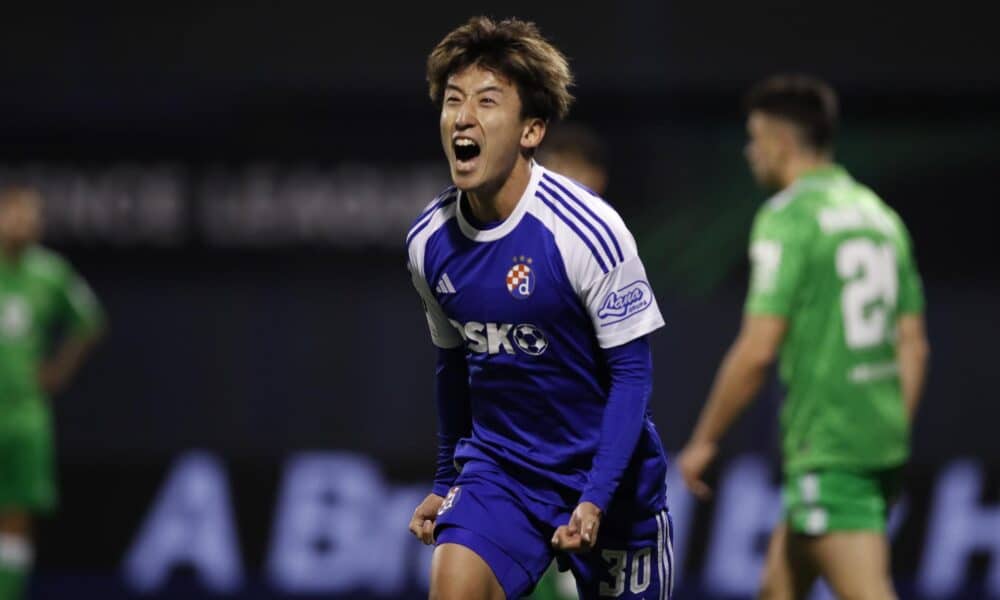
column 514, row 49
column 808, row 102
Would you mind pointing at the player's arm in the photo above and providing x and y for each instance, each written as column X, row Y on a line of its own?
column 60, row 368
column 737, row 382
column 778, row 252
column 631, row 367
column 451, row 394
column 454, row 423
column 454, row 414
column 912, row 347
column 624, row 311
column 85, row 325
column 912, row 352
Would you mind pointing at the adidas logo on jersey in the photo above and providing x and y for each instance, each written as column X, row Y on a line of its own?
column 444, row 285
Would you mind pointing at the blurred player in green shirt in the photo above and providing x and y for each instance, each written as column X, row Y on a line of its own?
column 49, row 321
column 836, row 297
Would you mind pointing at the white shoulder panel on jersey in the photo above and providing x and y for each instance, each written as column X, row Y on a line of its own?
column 601, row 259
column 591, row 237
column 781, row 199
column 435, row 216
column 46, row 264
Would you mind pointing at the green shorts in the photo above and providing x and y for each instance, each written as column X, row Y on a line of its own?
column 27, row 465
column 818, row 502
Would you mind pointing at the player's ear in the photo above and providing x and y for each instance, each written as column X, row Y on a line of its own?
column 790, row 136
column 533, row 133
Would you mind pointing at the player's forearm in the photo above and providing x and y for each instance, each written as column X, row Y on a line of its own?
column 740, row 377
column 64, row 363
column 912, row 352
column 912, row 356
column 454, row 415
column 75, row 349
column 624, row 415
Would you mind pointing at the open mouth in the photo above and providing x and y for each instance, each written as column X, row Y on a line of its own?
column 465, row 149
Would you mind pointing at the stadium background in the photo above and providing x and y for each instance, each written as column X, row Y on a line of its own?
column 235, row 179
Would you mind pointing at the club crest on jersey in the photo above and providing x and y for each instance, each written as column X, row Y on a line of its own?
column 450, row 500
column 625, row 302
column 520, row 278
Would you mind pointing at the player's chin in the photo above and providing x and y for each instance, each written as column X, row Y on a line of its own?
column 465, row 178
column 765, row 178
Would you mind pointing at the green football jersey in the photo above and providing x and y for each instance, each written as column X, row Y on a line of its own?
column 829, row 256
column 40, row 295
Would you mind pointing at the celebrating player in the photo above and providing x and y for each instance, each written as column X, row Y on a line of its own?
column 39, row 293
column 539, row 306
column 835, row 290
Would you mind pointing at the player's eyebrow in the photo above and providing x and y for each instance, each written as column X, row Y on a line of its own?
column 485, row 88
column 490, row 88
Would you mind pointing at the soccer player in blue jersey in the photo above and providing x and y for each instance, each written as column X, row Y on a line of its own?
column 539, row 306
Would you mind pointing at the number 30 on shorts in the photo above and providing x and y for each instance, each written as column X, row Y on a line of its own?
column 637, row 567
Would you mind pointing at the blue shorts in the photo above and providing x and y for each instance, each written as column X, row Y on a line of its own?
column 487, row 512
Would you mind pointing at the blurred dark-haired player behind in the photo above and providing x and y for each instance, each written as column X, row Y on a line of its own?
column 39, row 295
column 538, row 304
column 578, row 153
column 835, row 290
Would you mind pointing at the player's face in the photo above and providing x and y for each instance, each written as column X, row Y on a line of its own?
column 768, row 148
column 20, row 220
column 482, row 130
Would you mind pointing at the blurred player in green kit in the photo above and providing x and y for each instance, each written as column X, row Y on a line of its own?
column 49, row 321
column 836, row 297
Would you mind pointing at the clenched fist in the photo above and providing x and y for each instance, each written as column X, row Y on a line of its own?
column 422, row 523
column 580, row 535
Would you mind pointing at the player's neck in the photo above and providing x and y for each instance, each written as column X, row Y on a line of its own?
column 803, row 163
column 496, row 204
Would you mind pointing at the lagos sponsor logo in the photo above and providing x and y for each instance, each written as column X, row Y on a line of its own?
column 625, row 302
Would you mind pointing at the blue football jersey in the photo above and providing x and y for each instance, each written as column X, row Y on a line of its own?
column 534, row 300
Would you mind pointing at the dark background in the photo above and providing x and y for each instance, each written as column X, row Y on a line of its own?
column 155, row 128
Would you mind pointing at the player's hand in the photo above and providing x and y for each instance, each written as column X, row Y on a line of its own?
column 422, row 523
column 580, row 535
column 51, row 378
column 693, row 461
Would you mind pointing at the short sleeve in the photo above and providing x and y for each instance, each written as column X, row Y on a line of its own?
column 83, row 312
column 911, row 289
column 779, row 248
column 443, row 335
column 622, row 305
